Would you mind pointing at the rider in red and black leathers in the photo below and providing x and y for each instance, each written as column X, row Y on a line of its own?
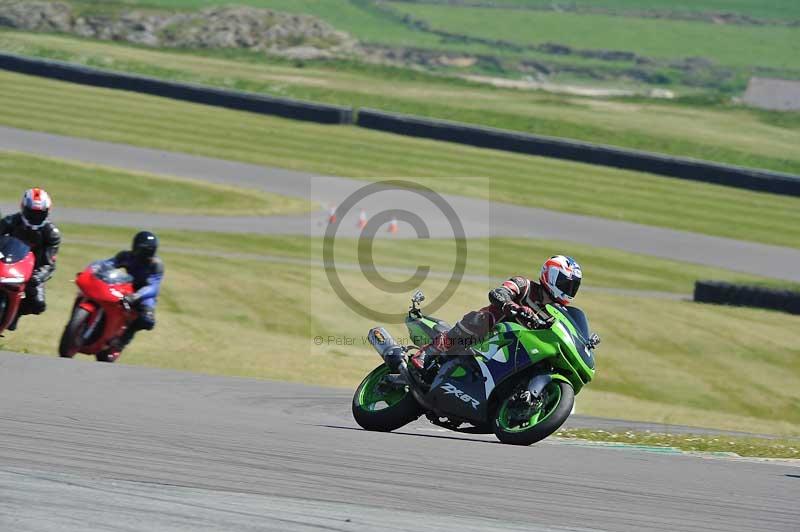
column 558, row 283
column 44, row 239
column 519, row 293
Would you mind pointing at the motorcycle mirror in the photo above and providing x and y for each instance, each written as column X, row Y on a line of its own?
column 418, row 297
column 594, row 341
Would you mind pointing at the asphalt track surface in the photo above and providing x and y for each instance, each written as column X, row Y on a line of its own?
column 90, row 447
column 478, row 217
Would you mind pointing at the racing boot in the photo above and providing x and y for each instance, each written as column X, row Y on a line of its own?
column 424, row 363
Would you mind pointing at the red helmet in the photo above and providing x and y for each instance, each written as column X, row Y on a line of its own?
column 561, row 278
column 35, row 207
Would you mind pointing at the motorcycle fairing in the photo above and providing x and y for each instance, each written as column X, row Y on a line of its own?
column 424, row 328
column 461, row 389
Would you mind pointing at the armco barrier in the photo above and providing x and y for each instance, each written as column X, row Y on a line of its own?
column 242, row 101
column 485, row 137
column 747, row 296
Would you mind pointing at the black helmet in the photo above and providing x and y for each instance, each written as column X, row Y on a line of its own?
column 144, row 244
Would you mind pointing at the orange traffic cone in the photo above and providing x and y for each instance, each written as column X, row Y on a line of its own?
column 393, row 226
column 362, row 219
column 332, row 215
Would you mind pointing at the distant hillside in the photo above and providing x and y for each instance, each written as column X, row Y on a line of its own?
column 681, row 45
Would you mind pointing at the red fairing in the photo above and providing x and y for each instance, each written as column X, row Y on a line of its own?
column 14, row 276
column 100, row 291
column 103, row 302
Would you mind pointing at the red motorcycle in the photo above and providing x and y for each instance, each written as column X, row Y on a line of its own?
column 16, row 268
column 100, row 314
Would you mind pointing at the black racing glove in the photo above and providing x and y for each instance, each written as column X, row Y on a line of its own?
column 129, row 301
column 499, row 297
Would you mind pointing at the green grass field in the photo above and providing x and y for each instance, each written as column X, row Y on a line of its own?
column 79, row 185
column 661, row 360
column 773, row 10
column 136, row 119
column 737, row 51
column 493, row 259
column 723, row 133
column 730, row 45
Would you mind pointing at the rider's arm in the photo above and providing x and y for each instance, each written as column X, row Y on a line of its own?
column 512, row 290
column 120, row 260
column 47, row 267
column 153, row 283
column 5, row 225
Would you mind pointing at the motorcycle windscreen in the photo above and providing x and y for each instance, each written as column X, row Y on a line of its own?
column 12, row 249
column 578, row 319
column 109, row 274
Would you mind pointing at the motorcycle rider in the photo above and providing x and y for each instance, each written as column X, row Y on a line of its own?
column 559, row 281
column 147, row 270
column 32, row 226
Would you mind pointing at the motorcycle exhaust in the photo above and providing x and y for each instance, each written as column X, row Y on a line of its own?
column 390, row 351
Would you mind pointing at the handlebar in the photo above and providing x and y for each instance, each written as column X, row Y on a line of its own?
column 533, row 321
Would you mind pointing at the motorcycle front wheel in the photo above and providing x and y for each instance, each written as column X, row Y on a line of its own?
column 383, row 406
column 69, row 343
column 516, row 423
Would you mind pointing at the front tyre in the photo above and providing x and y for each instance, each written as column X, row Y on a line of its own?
column 70, row 338
column 517, row 422
column 381, row 405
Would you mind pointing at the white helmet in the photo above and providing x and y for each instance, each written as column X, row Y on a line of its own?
column 35, row 207
column 561, row 277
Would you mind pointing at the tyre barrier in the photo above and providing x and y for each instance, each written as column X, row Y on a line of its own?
column 241, row 101
column 585, row 152
column 722, row 293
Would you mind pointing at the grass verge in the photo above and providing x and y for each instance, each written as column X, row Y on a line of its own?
column 117, row 116
column 79, row 185
column 741, row 446
column 488, row 260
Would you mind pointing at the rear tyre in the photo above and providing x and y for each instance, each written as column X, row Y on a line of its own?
column 74, row 330
column 381, row 406
column 515, row 426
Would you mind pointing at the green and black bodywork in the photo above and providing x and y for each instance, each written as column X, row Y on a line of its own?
column 518, row 382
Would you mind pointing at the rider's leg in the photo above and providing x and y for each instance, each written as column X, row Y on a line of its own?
column 464, row 334
column 145, row 321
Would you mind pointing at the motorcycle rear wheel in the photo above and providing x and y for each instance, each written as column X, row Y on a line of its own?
column 68, row 345
column 380, row 408
column 556, row 408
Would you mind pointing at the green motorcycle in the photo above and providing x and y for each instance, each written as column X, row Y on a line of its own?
column 519, row 382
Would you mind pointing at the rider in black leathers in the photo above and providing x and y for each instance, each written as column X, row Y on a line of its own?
column 32, row 226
